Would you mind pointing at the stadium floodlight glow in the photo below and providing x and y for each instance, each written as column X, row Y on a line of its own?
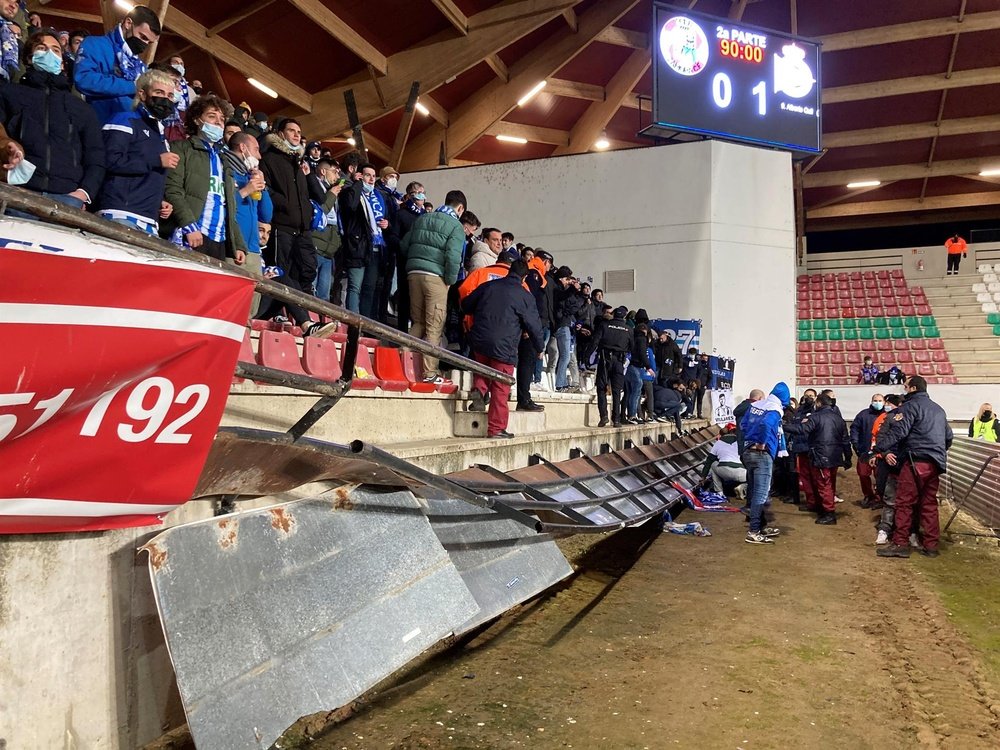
column 990, row 173
column 864, row 184
column 263, row 87
column 512, row 139
column 531, row 94
column 602, row 143
column 422, row 109
column 125, row 5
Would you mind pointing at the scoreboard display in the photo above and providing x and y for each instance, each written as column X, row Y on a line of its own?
column 728, row 80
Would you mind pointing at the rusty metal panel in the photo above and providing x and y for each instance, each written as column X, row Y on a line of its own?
column 502, row 562
column 277, row 613
column 965, row 459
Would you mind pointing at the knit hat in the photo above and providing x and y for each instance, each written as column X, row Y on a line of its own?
column 781, row 391
column 641, row 316
column 386, row 171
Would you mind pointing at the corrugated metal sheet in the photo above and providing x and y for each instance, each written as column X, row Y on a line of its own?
column 965, row 460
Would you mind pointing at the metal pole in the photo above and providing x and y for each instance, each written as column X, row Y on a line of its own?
column 58, row 213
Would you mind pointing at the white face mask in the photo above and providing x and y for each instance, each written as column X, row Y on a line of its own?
column 252, row 162
column 20, row 174
column 391, row 183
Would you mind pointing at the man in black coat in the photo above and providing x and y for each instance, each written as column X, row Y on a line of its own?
column 502, row 312
column 861, row 441
column 668, row 357
column 829, row 449
column 613, row 339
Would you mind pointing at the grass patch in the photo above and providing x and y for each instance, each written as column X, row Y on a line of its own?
column 816, row 649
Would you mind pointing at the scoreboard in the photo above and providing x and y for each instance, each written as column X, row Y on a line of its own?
column 728, row 80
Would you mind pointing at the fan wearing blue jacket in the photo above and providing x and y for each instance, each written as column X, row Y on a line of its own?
column 763, row 441
column 107, row 67
column 137, row 157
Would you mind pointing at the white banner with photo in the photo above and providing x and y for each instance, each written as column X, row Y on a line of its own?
column 722, row 406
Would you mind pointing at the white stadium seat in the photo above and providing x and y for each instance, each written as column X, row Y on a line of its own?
column 996, row 296
column 989, row 278
column 993, row 287
column 989, row 307
column 985, row 268
column 984, row 297
column 978, row 288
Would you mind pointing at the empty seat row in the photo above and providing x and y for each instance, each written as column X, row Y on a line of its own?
column 885, row 359
column 868, row 345
column 861, row 334
column 909, row 321
column 813, row 278
column 808, row 372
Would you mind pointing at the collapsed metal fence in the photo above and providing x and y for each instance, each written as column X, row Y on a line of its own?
column 973, row 482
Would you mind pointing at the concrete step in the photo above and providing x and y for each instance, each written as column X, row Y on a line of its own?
column 987, row 349
column 972, row 356
column 474, row 423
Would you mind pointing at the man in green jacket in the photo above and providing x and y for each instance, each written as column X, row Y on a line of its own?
column 200, row 187
column 433, row 252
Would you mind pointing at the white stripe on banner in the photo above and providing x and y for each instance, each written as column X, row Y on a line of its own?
column 45, row 506
column 117, row 317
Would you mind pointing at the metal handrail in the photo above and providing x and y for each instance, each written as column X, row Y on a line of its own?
column 59, row 213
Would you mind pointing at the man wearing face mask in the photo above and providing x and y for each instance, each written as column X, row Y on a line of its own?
column 138, row 158
column 61, row 149
column 833, row 404
column 391, row 198
column 324, row 187
column 829, row 449
column 201, row 189
column 363, row 212
column 408, row 212
column 107, row 67
column 253, row 199
column 861, row 442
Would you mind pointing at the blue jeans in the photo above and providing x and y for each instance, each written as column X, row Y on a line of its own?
column 759, row 466
column 564, row 340
column 546, row 335
column 633, row 390
column 324, row 277
column 361, row 287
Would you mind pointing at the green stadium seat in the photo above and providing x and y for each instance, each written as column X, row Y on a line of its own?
column 993, row 319
column 882, row 333
column 833, row 325
column 835, row 335
column 932, row 332
column 879, row 323
column 895, row 322
column 806, row 325
column 849, row 323
column 897, row 333
column 850, row 334
column 819, row 335
column 927, row 320
column 912, row 320
column 996, row 330
column 805, row 335
column 915, row 332
column 867, row 333
column 819, row 325
column 864, row 322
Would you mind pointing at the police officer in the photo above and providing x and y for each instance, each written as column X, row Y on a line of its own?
column 861, row 441
column 829, row 448
column 916, row 438
column 612, row 341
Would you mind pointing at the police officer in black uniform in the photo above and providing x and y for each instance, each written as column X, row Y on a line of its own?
column 612, row 340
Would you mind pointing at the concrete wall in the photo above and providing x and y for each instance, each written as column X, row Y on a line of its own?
column 708, row 228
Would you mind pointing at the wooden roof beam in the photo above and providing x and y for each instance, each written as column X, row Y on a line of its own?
column 44, row 10
column 454, row 15
column 911, row 85
column 236, row 58
column 499, row 67
column 908, row 32
column 914, row 132
column 342, row 31
column 574, row 90
column 531, row 133
column 588, row 128
column 962, row 200
column 511, row 10
column 435, row 110
column 569, row 15
column 624, row 38
column 900, row 172
column 234, row 18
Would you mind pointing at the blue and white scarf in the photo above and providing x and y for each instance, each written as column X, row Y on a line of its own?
column 9, row 62
column 447, row 210
column 129, row 64
column 378, row 213
column 212, row 223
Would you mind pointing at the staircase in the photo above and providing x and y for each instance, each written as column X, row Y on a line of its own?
column 972, row 347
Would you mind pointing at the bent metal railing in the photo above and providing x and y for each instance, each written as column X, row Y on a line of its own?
column 974, row 482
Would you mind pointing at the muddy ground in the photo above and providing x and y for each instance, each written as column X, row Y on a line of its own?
column 667, row 641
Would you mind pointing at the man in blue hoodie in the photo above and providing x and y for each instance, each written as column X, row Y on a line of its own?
column 763, row 441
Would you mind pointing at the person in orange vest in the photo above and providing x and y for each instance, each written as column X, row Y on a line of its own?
column 480, row 276
column 957, row 249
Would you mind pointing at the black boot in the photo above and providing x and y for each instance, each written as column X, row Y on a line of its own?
column 827, row 518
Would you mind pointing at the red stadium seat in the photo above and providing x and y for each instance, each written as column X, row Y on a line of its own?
column 945, row 368
column 923, row 356
column 854, row 358
column 882, row 274
column 320, row 358
column 820, row 346
column 924, row 309
column 413, row 366
column 867, row 274
column 843, row 276
column 867, row 345
column 934, row 344
column 838, row 358
column 836, row 346
column 822, row 372
column 855, row 275
column 907, row 310
column 804, row 346
column 852, row 346
column 901, row 345
column 925, row 370
column 856, row 285
column 896, row 273
column 891, row 311
column 280, row 351
column 805, row 358
column 806, row 372
column 829, row 277
column 847, row 312
column 246, row 353
column 939, row 355
column 389, row 369
column 904, row 358
column 838, row 371
column 821, row 358
column 364, row 372
column 918, row 344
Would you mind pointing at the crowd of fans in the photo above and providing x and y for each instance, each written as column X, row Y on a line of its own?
column 85, row 121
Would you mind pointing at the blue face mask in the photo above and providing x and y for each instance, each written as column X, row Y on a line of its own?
column 212, row 133
column 877, row 405
column 420, row 197
column 47, row 61
column 366, row 187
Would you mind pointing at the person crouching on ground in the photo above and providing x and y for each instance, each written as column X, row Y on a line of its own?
column 503, row 312
column 722, row 464
column 763, row 442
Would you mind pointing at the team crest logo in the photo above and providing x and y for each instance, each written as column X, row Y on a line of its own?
column 792, row 75
column 684, row 46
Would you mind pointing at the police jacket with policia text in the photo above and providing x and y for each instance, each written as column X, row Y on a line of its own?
column 826, row 433
column 613, row 336
column 919, row 428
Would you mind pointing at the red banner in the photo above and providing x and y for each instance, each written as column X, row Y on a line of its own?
column 114, row 374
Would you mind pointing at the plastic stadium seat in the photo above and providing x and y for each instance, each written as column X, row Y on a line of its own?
column 838, row 358
column 896, row 273
column 996, row 296
column 822, row 372
column 867, row 274
column 876, row 311
column 835, row 335
column 927, row 320
column 852, row 346
column 868, row 346
column 864, row 322
column 918, row 345
column 993, row 287
column 925, row 370
column 996, row 330
column 978, row 288
column 364, row 373
column 855, row 275
column 829, row 277
column 854, row 358
column 805, row 335
column 804, row 325
column 921, row 356
column 280, row 351
column 911, row 320
column 246, row 353
column 850, row 323
column 819, row 335
column 939, row 355
column 833, row 325
column 838, row 371
column 984, row 297
column 895, row 322
column 901, row 345
column 985, row 268
column 904, row 358
column 908, row 310
column 935, row 344
column 989, row 278
column 883, row 333
column 821, row 358
column 945, row 368
column 882, row 274
column 915, row 333
column 923, row 309
column 867, row 333
column 856, row 285
column 819, row 324
column 880, row 322
column 836, row 346
column 806, row 373
column 884, row 345
column 843, row 276
column 990, row 307
column 820, row 346
column 891, row 311
column 413, row 367
column 320, row 358
column 850, row 334
column 805, row 358
column 389, row 369
column 802, row 346
column 932, row 332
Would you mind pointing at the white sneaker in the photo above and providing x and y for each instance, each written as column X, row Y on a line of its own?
column 838, row 499
column 770, row 531
column 755, row 537
column 536, row 387
column 915, row 541
column 741, row 491
column 881, row 537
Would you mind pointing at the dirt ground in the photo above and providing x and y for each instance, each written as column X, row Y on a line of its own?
column 665, row 641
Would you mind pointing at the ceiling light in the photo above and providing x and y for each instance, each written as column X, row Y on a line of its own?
column 266, row 89
column 512, row 139
column 422, row 109
column 990, row 173
column 125, row 5
column 531, row 94
column 864, row 184
column 602, row 143
column 351, row 141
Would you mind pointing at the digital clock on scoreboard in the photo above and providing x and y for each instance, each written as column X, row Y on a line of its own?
column 728, row 80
